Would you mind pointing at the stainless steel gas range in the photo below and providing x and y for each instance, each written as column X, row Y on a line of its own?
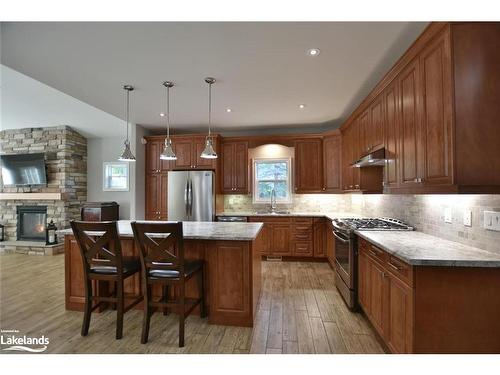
column 346, row 249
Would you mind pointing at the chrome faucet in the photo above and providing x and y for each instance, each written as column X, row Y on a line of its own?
column 273, row 200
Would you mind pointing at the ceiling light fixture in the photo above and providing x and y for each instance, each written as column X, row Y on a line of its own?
column 127, row 154
column 229, row 110
column 168, row 152
column 313, row 52
column 302, row 106
column 162, row 114
column 209, row 152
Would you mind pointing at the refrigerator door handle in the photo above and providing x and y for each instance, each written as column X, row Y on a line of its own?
column 190, row 198
column 186, row 197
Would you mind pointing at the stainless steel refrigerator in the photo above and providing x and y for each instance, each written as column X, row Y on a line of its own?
column 191, row 195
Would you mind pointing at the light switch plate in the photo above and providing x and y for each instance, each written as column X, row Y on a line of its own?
column 492, row 220
column 467, row 217
column 447, row 215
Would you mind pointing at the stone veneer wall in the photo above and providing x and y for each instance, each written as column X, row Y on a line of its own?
column 424, row 212
column 66, row 159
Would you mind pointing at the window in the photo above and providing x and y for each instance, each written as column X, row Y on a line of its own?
column 115, row 177
column 272, row 174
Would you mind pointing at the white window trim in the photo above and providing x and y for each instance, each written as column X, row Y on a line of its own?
column 255, row 198
column 104, row 177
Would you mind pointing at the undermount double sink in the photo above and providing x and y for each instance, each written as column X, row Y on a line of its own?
column 282, row 212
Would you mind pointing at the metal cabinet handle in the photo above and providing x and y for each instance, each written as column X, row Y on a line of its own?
column 395, row 266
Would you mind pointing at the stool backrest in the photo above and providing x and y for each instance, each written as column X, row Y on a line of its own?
column 161, row 245
column 99, row 244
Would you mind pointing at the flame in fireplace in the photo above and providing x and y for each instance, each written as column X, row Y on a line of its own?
column 39, row 228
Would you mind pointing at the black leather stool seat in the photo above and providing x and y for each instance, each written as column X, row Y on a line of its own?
column 129, row 265
column 189, row 268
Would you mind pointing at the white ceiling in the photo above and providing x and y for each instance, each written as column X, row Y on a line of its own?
column 262, row 69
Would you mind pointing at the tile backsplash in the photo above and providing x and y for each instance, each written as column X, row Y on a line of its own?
column 424, row 212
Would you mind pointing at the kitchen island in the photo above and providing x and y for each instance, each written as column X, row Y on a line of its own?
column 233, row 269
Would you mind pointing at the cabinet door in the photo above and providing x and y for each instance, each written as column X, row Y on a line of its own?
column 363, row 282
column 163, row 195
column 330, row 244
column 308, row 166
column 364, row 134
column 355, row 154
column 346, row 158
column 391, row 135
column 378, row 290
column 228, row 167
column 153, row 156
column 266, row 239
column 319, row 238
column 410, row 146
column 198, row 147
column 376, row 124
column 435, row 62
column 399, row 334
column 152, row 192
column 183, row 148
column 332, row 163
column 280, row 239
column 240, row 171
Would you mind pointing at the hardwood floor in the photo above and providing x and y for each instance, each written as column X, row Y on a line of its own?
column 300, row 311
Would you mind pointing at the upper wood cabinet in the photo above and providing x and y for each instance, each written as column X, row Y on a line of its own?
column 434, row 113
column 332, row 163
column 235, row 167
column 308, row 165
column 156, row 196
column 154, row 164
column 188, row 150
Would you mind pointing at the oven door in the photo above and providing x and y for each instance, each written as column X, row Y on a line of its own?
column 344, row 258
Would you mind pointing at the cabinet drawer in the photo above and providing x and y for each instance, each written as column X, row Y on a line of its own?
column 303, row 236
column 400, row 269
column 303, row 220
column 377, row 253
column 303, row 248
column 266, row 219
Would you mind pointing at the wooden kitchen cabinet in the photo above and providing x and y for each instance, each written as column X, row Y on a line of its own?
column 188, row 150
column 308, row 165
column 235, row 166
column 280, row 239
column 154, row 164
column 332, row 164
column 156, row 196
column 391, row 135
column 319, row 237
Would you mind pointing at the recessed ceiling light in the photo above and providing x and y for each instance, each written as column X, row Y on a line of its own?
column 162, row 114
column 302, row 106
column 229, row 110
column 313, row 52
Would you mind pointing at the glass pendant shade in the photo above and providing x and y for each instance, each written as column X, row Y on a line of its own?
column 168, row 153
column 209, row 152
column 127, row 154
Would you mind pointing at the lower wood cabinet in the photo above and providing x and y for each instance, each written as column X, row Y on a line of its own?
column 292, row 236
column 386, row 300
column 156, row 196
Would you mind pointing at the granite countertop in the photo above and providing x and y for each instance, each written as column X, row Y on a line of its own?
column 198, row 230
column 420, row 249
column 328, row 215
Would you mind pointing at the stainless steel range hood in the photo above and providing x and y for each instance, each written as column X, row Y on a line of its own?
column 374, row 159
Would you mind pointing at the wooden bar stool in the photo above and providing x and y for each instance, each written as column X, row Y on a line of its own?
column 162, row 260
column 102, row 260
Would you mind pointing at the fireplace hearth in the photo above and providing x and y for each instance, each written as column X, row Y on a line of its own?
column 31, row 223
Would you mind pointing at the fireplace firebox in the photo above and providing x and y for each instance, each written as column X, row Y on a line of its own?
column 31, row 223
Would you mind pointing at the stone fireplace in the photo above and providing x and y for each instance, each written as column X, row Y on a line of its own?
column 31, row 223
column 65, row 153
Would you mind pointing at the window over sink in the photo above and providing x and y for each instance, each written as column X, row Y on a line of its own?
column 272, row 174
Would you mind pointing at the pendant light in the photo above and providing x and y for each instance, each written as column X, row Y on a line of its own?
column 209, row 152
column 127, row 154
column 168, row 153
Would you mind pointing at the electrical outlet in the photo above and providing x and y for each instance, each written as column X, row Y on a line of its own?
column 467, row 217
column 492, row 220
column 447, row 215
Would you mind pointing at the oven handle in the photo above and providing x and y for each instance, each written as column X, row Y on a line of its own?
column 340, row 238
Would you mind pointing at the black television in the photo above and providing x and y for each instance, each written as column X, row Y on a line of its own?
column 23, row 170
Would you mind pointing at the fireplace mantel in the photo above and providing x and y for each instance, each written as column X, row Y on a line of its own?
column 30, row 196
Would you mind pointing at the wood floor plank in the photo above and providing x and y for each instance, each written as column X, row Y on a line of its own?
column 320, row 340
column 335, row 339
column 304, row 334
column 260, row 330
column 290, row 347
